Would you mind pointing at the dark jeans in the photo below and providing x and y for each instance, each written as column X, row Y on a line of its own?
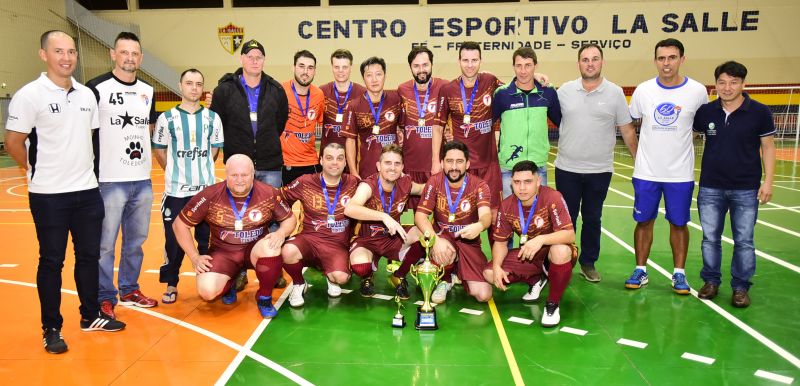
column 290, row 173
column 173, row 254
column 585, row 193
column 56, row 216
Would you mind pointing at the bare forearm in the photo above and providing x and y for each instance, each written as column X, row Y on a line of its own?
column 436, row 142
column 15, row 144
column 161, row 157
column 287, row 227
column 350, row 154
column 768, row 154
column 629, row 137
column 422, row 223
column 363, row 213
column 558, row 237
column 184, row 238
column 499, row 253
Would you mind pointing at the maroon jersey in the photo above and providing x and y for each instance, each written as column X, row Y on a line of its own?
column 402, row 189
column 478, row 134
column 434, row 200
column 358, row 125
column 308, row 190
column 331, row 130
column 213, row 206
column 417, row 139
column 550, row 215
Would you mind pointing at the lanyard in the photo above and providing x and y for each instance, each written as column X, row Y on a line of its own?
column 391, row 199
column 304, row 113
column 238, row 214
column 453, row 205
column 331, row 205
column 252, row 98
column 421, row 108
column 468, row 105
column 525, row 224
column 375, row 114
column 339, row 104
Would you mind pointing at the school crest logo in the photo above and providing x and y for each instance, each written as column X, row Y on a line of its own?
column 487, row 100
column 465, row 206
column 231, row 37
column 666, row 113
column 389, row 116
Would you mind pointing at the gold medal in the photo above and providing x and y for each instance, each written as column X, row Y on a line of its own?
column 451, row 217
column 466, row 119
column 523, row 239
column 253, row 116
column 238, row 225
column 421, row 122
column 331, row 219
column 339, row 117
column 376, row 129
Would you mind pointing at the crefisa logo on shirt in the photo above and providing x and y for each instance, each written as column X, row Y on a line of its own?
column 712, row 129
column 666, row 113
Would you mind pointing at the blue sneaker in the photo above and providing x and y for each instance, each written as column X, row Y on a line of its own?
column 230, row 296
column 268, row 311
column 679, row 284
column 637, row 280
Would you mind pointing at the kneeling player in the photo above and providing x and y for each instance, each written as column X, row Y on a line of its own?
column 539, row 215
column 460, row 206
column 325, row 237
column 378, row 203
column 238, row 211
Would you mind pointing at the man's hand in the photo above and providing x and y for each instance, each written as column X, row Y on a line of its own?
column 500, row 278
column 394, row 227
column 448, row 135
column 209, row 95
column 530, row 248
column 542, row 79
column 443, row 252
column 274, row 240
column 436, row 167
column 765, row 193
column 201, row 263
column 470, row 231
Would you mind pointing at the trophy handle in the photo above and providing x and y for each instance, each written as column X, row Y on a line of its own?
column 413, row 272
column 440, row 269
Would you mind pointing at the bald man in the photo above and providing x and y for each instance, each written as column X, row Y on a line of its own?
column 238, row 211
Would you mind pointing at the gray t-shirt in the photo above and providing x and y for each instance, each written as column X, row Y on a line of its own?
column 589, row 121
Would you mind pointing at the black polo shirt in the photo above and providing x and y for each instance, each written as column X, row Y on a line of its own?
column 732, row 158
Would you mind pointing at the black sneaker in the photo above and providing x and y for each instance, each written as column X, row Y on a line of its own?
column 367, row 287
column 281, row 283
column 53, row 341
column 102, row 323
column 401, row 290
column 241, row 281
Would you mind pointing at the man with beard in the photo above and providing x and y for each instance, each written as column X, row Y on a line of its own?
column 372, row 121
column 459, row 203
column 378, row 203
column 421, row 133
column 339, row 94
column 239, row 211
column 545, row 232
column 324, row 239
column 592, row 109
column 306, row 111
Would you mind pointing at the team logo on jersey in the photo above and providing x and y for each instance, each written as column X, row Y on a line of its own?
column 487, row 100
column 538, row 221
column 231, row 37
column 432, row 107
column 332, row 129
column 400, row 206
column 465, row 206
column 666, row 113
column 55, row 108
column 255, row 215
column 376, row 230
column 711, row 129
column 146, row 100
column 389, row 116
column 344, row 200
column 311, row 114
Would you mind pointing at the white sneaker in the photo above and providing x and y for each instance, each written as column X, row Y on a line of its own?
column 535, row 290
column 296, row 296
column 454, row 279
column 439, row 294
column 334, row 290
column 551, row 316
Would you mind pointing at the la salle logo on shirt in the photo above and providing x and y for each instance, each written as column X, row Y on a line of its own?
column 711, row 129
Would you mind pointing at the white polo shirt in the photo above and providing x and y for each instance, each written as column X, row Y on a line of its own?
column 59, row 125
column 588, row 131
column 666, row 151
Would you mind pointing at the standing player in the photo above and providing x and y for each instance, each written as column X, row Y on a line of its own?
column 306, row 110
column 378, row 203
column 186, row 142
column 62, row 190
column 239, row 211
column 338, row 95
column 665, row 159
column 420, row 97
column 325, row 236
column 127, row 112
column 466, row 110
column 460, row 207
column 372, row 121
column 545, row 233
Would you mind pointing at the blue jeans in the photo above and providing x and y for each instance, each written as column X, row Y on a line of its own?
column 506, row 175
column 585, row 193
column 713, row 204
column 127, row 205
column 273, row 178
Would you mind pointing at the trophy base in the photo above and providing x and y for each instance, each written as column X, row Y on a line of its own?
column 426, row 320
column 398, row 321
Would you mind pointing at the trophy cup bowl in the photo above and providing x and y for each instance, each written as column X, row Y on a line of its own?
column 427, row 276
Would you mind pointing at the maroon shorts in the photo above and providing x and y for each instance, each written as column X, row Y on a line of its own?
column 387, row 246
column 229, row 262
column 520, row 270
column 320, row 253
column 420, row 178
column 491, row 174
column 470, row 260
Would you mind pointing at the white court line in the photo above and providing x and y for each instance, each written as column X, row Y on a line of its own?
column 576, row 331
column 188, row 273
column 12, row 178
column 225, row 341
column 383, row 297
column 152, row 271
column 9, row 191
column 726, row 239
column 774, row 377
column 698, row 358
column 632, row 343
column 470, row 311
column 787, row 188
column 738, row 323
column 524, row 321
column 9, row 265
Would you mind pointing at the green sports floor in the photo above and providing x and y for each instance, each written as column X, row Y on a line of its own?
column 668, row 339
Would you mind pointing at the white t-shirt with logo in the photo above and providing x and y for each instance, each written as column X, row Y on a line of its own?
column 666, row 152
column 126, row 111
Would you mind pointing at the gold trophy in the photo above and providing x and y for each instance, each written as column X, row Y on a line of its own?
column 399, row 321
column 427, row 275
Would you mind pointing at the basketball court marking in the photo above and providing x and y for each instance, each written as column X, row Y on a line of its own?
column 631, row 343
column 501, row 331
column 698, row 358
column 774, row 377
column 575, row 331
